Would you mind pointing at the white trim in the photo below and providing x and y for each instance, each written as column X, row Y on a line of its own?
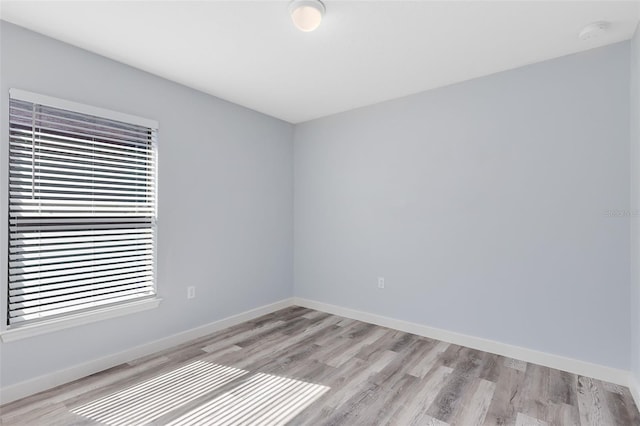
column 74, row 320
column 583, row 368
column 47, row 381
column 37, row 98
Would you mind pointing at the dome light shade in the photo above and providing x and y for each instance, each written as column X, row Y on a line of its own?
column 306, row 14
column 594, row 30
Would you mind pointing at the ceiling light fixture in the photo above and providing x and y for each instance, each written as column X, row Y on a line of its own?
column 306, row 14
column 594, row 30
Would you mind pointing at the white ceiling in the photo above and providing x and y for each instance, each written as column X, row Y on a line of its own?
column 364, row 52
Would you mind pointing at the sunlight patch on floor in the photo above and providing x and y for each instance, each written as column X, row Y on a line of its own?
column 264, row 399
column 152, row 398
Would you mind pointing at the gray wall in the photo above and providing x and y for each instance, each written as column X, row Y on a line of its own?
column 225, row 200
column 483, row 206
column 635, row 204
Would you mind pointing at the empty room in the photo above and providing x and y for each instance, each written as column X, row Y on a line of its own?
column 318, row 212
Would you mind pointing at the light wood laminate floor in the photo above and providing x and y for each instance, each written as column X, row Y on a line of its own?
column 303, row 367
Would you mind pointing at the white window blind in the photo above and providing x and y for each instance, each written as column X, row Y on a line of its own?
column 82, row 209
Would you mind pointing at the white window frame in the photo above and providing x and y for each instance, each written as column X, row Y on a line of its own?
column 8, row 334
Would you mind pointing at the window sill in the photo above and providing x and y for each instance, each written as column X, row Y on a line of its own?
column 78, row 319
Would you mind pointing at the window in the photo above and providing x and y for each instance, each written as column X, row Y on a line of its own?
column 82, row 208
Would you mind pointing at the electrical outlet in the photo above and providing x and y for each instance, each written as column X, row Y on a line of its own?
column 191, row 292
column 380, row 282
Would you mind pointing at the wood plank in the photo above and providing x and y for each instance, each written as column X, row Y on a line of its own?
column 524, row 420
column 429, row 361
column 451, row 399
column 563, row 414
column 592, row 403
column 474, row 410
column 509, row 388
column 416, row 410
column 535, row 395
column 619, row 407
column 562, row 387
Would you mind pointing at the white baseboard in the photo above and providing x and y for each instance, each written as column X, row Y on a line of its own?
column 583, row 368
column 48, row 381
